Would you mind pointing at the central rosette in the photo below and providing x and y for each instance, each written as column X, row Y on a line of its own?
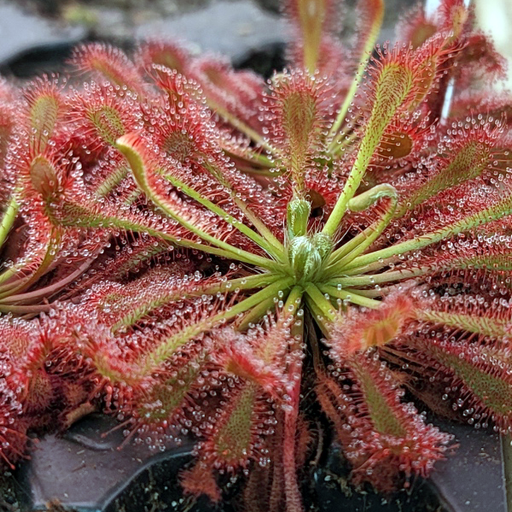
column 306, row 253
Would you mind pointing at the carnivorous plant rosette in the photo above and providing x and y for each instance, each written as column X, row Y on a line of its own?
column 200, row 252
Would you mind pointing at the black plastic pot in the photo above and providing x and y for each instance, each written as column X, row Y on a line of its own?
column 85, row 471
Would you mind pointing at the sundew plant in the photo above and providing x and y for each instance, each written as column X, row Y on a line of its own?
column 263, row 265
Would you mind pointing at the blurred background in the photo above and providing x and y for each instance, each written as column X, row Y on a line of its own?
column 37, row 35
column 495, row 18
